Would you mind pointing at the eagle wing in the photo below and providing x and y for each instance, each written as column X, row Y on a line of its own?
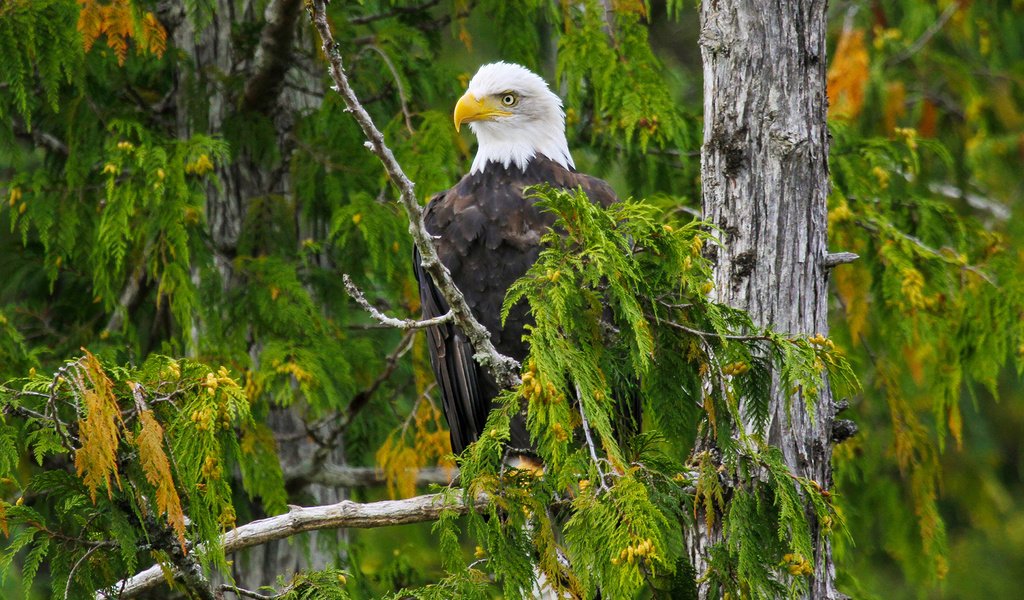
column 457, row 374
column 488, row 235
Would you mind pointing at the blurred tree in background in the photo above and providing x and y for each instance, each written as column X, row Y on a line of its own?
column 184, row 190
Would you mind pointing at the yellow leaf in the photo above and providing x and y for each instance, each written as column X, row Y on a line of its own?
column 116, row 21
column 848, row 75
column 956, row 424
column 150, row 442
column 96, row 460
column 154, row 36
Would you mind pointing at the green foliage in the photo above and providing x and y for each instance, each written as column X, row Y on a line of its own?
column 153, row 213
column 604, row 282
column 179, row 417
column 925, row 190
column 41, row 46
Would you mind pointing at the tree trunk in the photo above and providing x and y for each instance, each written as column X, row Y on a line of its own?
column 204, row 102
column 764, row 169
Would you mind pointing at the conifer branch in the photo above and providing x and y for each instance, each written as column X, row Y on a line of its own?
column 382, row 318
column 944, row 254
column 504, row 369
column 403, row 100
column 303, row 519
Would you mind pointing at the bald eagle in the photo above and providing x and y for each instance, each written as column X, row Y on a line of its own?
column 488, row 233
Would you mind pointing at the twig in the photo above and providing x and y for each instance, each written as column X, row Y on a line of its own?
column 354, row 477
column 382, row 318
column 881, row 227
column 504, row 369
column 300, row 520
column 399, row 10
column 244, row 593
column 927, row 35
column 403, row 100
column 590, row 441
column 711, row 334
column 78, row 563
column 360, row 400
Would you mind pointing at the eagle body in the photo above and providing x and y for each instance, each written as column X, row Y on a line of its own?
column 488, row 232
column 488, row 235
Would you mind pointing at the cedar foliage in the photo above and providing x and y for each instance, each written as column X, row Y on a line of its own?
column 110, row 202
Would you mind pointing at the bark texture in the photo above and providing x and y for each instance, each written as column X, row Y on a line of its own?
column 222, row 75
column 764, row 169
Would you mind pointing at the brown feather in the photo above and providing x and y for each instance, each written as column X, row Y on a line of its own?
column 488, row 235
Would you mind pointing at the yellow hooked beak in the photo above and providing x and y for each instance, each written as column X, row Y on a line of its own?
column 470, row 108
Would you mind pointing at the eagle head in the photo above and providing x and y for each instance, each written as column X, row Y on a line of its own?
column 515, row 117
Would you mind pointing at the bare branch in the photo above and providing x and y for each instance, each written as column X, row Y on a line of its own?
column 351, row 477
column 398, row 10
column 41, row 138
column 504, row 369
column 834, row 259
column 382, row 318
column 244, row 593
column 129, row 296
column 927, row 35
column 301, row 519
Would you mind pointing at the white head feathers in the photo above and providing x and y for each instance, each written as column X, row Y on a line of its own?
column 515, row 117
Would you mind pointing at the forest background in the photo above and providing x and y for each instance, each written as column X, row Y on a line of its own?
column 177, row 188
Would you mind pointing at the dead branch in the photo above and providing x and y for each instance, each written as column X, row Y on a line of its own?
column 382, row 318
column 302, row 519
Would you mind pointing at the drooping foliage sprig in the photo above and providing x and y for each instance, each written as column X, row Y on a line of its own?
column 623, row 318
column 138, row 464
column 953, row 291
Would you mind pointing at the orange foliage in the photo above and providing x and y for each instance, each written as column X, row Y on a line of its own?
column 401, row 462
column 96, row 460
column 895, row 104
column 848, row 75
column 116, row 20
column 150, row 442
column 929, row 117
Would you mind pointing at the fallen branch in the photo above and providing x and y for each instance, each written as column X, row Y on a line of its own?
column 302, row 519
column 504, row 369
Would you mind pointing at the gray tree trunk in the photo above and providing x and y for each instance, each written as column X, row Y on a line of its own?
column 764, row 170
column 210, row 59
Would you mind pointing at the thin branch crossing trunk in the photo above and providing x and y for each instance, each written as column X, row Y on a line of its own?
column 764, row 168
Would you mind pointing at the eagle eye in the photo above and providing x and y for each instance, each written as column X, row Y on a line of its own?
column 509, row 99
